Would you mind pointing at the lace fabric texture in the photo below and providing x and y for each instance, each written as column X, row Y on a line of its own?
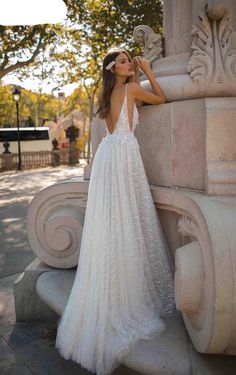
column 123, row 281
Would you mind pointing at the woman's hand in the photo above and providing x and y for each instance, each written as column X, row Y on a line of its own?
column 136, row 71
column 142, row 63
column 139, row 93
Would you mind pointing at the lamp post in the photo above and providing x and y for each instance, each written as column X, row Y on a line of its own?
column 16, row 97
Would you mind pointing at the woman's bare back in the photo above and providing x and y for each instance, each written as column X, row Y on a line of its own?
column 117, row 100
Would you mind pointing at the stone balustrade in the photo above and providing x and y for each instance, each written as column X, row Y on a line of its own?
column 38, row 159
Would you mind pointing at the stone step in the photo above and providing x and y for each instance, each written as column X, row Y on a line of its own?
column 54, row 287
column 166, row 355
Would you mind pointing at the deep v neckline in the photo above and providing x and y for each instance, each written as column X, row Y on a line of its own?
column 119, row 113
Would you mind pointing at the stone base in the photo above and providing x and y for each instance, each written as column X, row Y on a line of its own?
column 190, row 144
column 205, row 264
column 48, row 290
column 28, row 305
column 169, row 354
column 87, row 171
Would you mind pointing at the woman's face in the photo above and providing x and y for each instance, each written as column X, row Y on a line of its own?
column 123, row 66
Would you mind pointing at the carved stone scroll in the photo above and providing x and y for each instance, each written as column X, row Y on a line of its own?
column 55, row 223
column 152, row 42
column 213, row 58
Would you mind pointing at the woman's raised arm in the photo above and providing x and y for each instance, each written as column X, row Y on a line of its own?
column 158, row 97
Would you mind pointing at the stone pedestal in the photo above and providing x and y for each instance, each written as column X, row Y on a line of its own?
column 190, row 144
column 28, row 305
column 8, row 163
column 205, row 264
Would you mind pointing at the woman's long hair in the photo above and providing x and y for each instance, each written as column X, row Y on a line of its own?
column 108, row 81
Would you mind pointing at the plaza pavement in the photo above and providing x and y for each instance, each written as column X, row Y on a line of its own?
column 27, row 348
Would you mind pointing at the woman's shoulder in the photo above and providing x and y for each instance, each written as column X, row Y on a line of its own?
column 133, row 88
column 132, row 85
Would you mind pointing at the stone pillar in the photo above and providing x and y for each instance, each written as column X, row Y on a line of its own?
column 177, row 22
column 178, row 17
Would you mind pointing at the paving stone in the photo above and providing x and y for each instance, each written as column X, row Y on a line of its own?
column 7, row 305
column 7, row 355
column 76, row 370
column 25, row 333
column 42, row 358
column 16, row 369
column 211, row 364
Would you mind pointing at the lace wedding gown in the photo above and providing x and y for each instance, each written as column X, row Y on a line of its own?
column 123, row 280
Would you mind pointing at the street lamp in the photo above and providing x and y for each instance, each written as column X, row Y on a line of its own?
column 16, row 97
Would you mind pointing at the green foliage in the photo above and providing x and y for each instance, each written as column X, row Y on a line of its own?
column 70, row 52
column 77, row 47
column 113, row 21
column 77, row 100
column 20, row 45
column 33, row 105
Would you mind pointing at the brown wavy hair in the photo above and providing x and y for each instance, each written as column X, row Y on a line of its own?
column 108, row 81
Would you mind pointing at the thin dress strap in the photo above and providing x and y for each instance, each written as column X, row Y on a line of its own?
column 126, row 98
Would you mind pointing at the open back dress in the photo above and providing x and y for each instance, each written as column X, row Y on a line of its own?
column 123, row 281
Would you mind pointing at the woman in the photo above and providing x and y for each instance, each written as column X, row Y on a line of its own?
column 123, row 280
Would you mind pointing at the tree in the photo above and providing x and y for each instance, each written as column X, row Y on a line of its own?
column 73, row 52
column 104, row 24
column 20, row 45
column 49, row 106
column 113, row 21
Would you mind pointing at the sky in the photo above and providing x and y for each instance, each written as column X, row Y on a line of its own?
column 31, row 85
column 31, row 12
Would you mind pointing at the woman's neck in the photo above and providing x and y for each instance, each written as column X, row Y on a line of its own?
column 120, row 81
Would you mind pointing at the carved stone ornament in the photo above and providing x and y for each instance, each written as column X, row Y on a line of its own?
column 55, row 223
column 151, row 41
column 212, row 59
column 187, row 227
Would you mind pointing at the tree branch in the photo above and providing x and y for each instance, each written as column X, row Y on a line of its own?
column 21, row 43
column 5, row 61
column 21, row 64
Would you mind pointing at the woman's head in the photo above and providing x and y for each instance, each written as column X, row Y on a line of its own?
column 117, row 67
column 117, row 63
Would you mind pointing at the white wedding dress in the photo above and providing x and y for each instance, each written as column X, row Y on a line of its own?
column 123, row 280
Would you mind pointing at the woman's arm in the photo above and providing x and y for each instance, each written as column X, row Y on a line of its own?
column 158, row 97
column 136, row 71
column 137, row 79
